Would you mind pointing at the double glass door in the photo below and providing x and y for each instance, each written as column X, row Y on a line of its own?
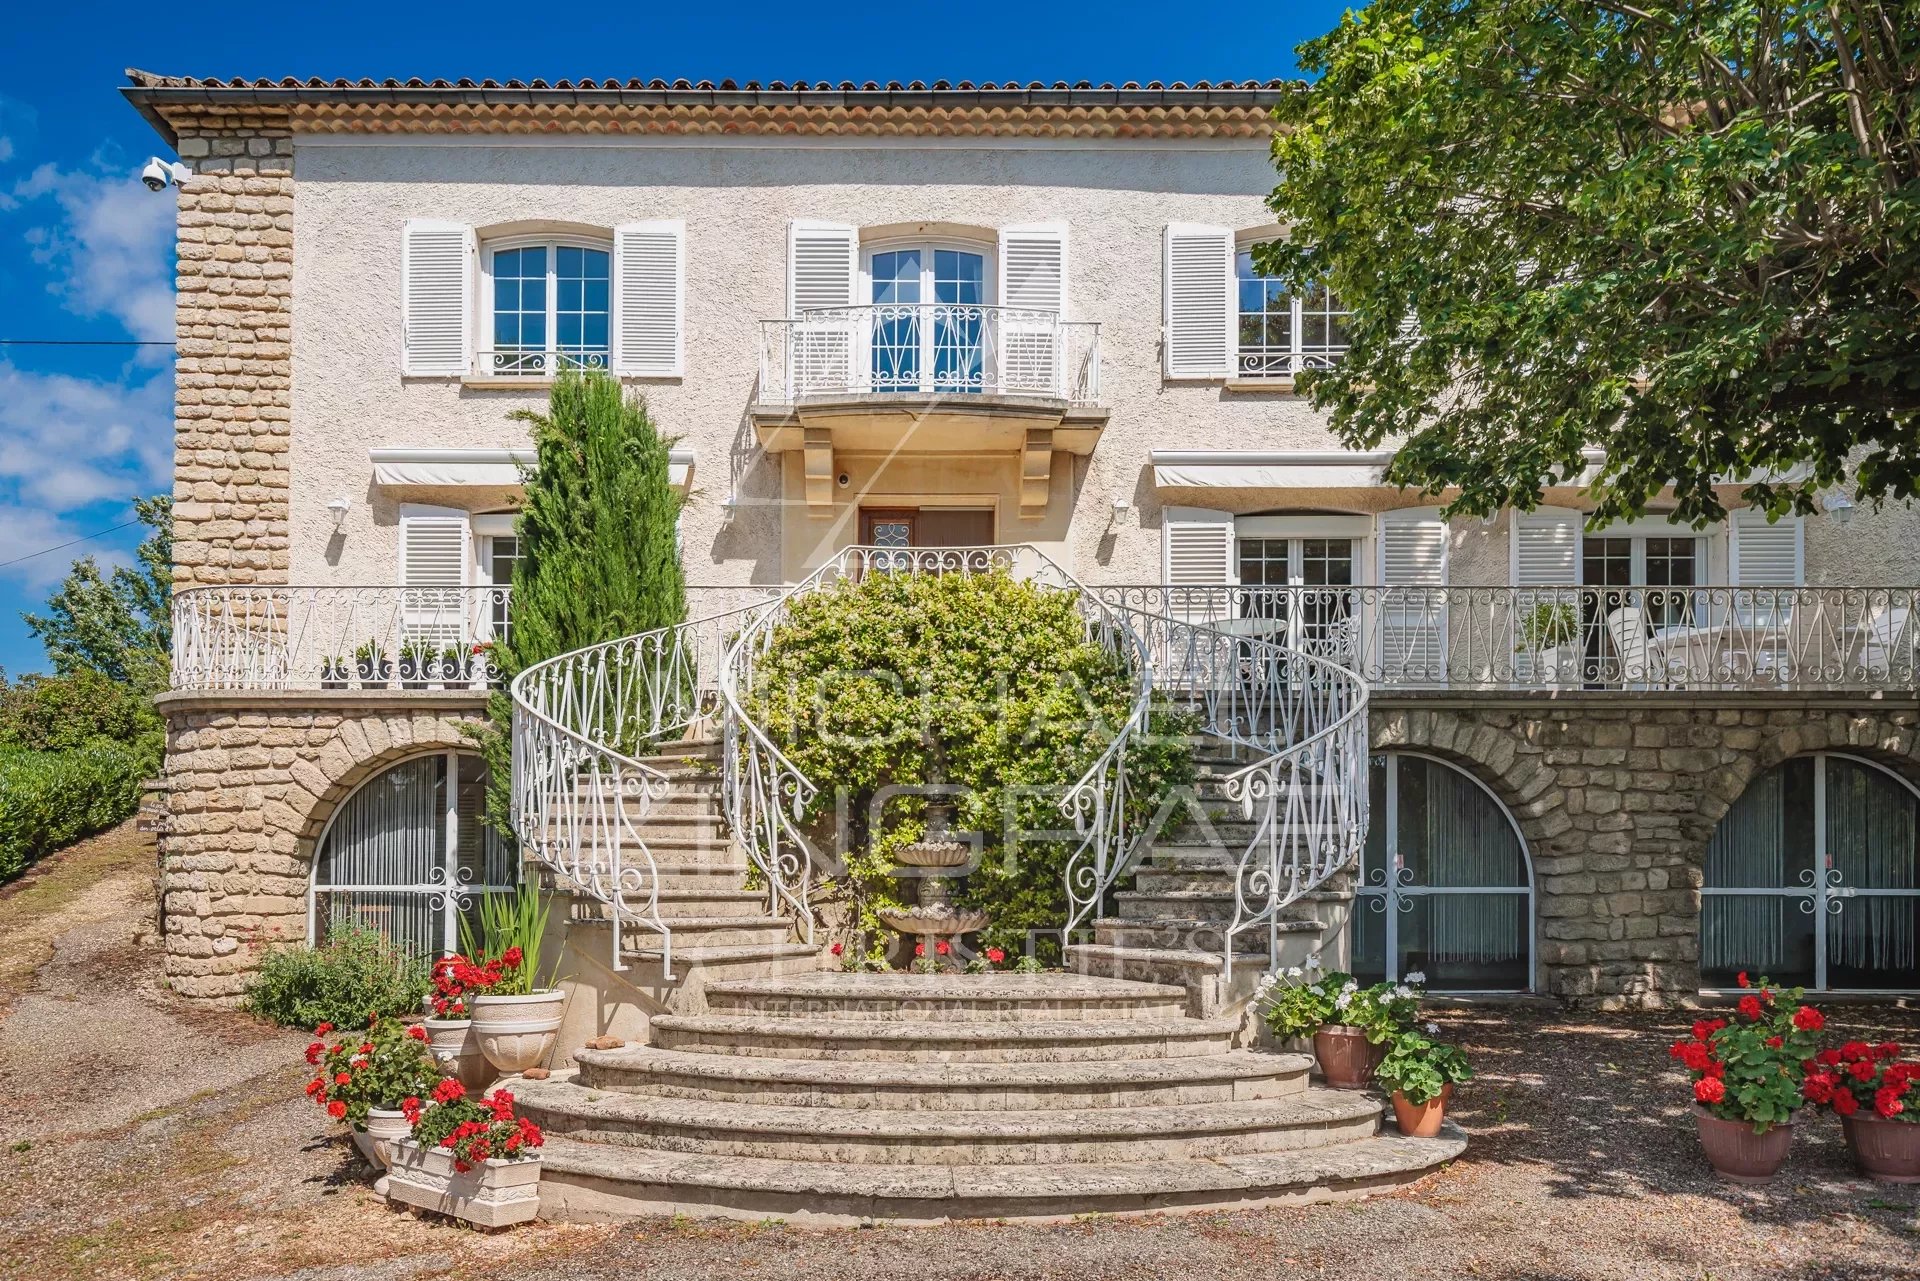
column 1303, row 585
column 929, row 319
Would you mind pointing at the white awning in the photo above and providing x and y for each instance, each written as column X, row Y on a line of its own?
column 438, row 468
column 1267, row 469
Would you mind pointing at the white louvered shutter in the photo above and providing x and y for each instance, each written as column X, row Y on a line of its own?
column 822, row 272
column 433, row 569
column 1763, row 553
column 649, row 298
column 1198, row 568
column 1199, row 321
column 436, row 269
column 1547, row 599
column 1033, row 292
column 1413, row 619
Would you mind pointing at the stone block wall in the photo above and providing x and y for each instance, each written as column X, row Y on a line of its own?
column 1617, row 798
column 251, row 779
column 233, row 374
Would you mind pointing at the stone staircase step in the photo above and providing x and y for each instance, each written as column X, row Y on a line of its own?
column 1178, row 905
column 715, row 931
column 1189, row 935
column 951, row 1087
column 886, row 1136
column 589, row 1181
column 1109, row 961
column 875, row 1041
column 754, row 960
column 989, row 998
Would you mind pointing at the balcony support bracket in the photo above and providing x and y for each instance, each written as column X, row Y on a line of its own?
column 818, row 447
column 1036, row 470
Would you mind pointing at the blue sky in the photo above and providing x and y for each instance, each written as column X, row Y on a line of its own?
column 86, row 251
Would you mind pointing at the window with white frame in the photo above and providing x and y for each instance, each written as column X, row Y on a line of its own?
column 929, row 317
column 548, row 305
column 1280, row 333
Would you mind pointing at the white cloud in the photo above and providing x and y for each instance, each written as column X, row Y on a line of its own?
column 67, row 444
column 112, row 252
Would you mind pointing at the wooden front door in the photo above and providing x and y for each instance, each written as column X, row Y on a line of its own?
column 926, row 526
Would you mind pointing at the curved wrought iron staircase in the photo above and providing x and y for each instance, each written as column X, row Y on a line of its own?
column 584, row 724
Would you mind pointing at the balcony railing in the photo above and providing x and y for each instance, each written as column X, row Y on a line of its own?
column 357, row 638
column 1259, row 360
column 1627, row 638
column 929, row 349
column 535, row 362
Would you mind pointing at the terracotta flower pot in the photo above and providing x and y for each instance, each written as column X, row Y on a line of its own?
column 1886, row 1151
column 517, row 1032
column 1735, row 1152
column 1347, row 1059
column 491, row 1194
column 458, row 1052
column 1421, row 1120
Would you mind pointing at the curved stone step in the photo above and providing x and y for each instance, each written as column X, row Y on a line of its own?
column 943, row 1087
column 1175, row 934
column 871, row 1040
column 755, row 960
column 1002, row 997
column 717, row 931
column 889, row 1136
column 586, row 1181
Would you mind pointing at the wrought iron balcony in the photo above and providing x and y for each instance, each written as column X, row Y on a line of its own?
column 355, row 638
column 1622, row 638
column 929, row 349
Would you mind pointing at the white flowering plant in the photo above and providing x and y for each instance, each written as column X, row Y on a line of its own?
column 1299, row 1001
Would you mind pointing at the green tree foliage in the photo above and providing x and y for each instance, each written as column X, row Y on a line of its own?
column 981, row 681
column 121, row 625
column 59, row 713
column 1685, row 232
column 51, row 799
column 599, row 551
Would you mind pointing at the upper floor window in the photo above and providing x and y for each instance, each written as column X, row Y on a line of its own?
column 928, row 327
column 549, row 306
column 1281, row 333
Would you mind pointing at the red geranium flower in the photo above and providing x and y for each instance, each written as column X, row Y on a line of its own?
column 341, row 1078
column 995, row 955
column 1750, row 1008
column 510, row 958
column 314, row 1052
column 1709, row 1089
column 1845, row 1104
column 942, row 946
column 1742, row 980
column 919, row 949
column 336, row 1109
column 323, row 1029
column 1887, row 1050
column 1774, row 1043
column 836, row 949
column 1808, row 1019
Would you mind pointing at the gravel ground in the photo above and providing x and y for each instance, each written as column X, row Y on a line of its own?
column 143, row 1139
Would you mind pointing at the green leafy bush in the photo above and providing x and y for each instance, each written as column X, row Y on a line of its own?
column 51, row 799
column 981, row 681
column 356, row 974
column 59, row 713
column 1420, row 1066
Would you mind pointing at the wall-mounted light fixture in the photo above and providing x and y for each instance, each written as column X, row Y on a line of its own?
column 340, row 507
column 1118, row 507
column 1838, row 506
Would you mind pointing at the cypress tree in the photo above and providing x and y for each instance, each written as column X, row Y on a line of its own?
column 599, row 550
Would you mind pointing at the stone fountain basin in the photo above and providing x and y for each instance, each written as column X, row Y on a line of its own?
column 916, row 920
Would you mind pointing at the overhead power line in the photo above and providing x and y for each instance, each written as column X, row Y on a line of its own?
column 86, row 342
column 71, row 542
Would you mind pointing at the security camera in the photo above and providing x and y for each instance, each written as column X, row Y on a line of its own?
column 158, row 173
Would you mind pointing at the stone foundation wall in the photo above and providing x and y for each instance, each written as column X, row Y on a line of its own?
column 251, row 779
column 1617, row 798
column 233, row 315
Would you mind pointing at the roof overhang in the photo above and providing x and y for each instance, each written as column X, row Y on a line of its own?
column 419, row 468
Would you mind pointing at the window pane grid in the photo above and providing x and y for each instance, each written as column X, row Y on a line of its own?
column 1279, row 335
column 552, row 309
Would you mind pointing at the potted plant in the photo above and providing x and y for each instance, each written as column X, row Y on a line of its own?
column 1421, row 1071
column 515, row 1018
column 1874, row 1093
column 482, row 666
column 1548, row 633
column 372, row 665
column 453, row 666
column 1748, row 1075
column 365, row 1079
column 334, row 671
column 449, row 1025
column 416, row 664
column 477, row 1161
column 1348, row 1024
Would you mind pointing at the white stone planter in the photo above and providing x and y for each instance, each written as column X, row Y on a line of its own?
column 517, row 1032
column 457, row 1051
column 491, row 1194
column 385, row 1126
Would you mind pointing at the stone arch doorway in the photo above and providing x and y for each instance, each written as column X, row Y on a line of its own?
column 1811, row 878
column 407, row 852
column 1446, row 881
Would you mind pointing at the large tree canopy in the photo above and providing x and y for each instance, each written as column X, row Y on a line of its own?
column 120, row 626
column 1685, row 233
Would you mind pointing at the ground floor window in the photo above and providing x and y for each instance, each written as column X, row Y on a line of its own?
column 1446, row 886
column 1811, row 879
column 408, row 853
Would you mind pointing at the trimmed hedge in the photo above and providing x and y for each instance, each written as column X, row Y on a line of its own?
column 51, row 799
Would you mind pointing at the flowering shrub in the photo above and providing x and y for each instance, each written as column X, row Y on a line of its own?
column 457, row 980
column 1859, row 1076
column 471, row 1132
column 1752, row 1067
column 1296, row 1008
column 1420, row 1066
column 377, row 1068
column 986, row 960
